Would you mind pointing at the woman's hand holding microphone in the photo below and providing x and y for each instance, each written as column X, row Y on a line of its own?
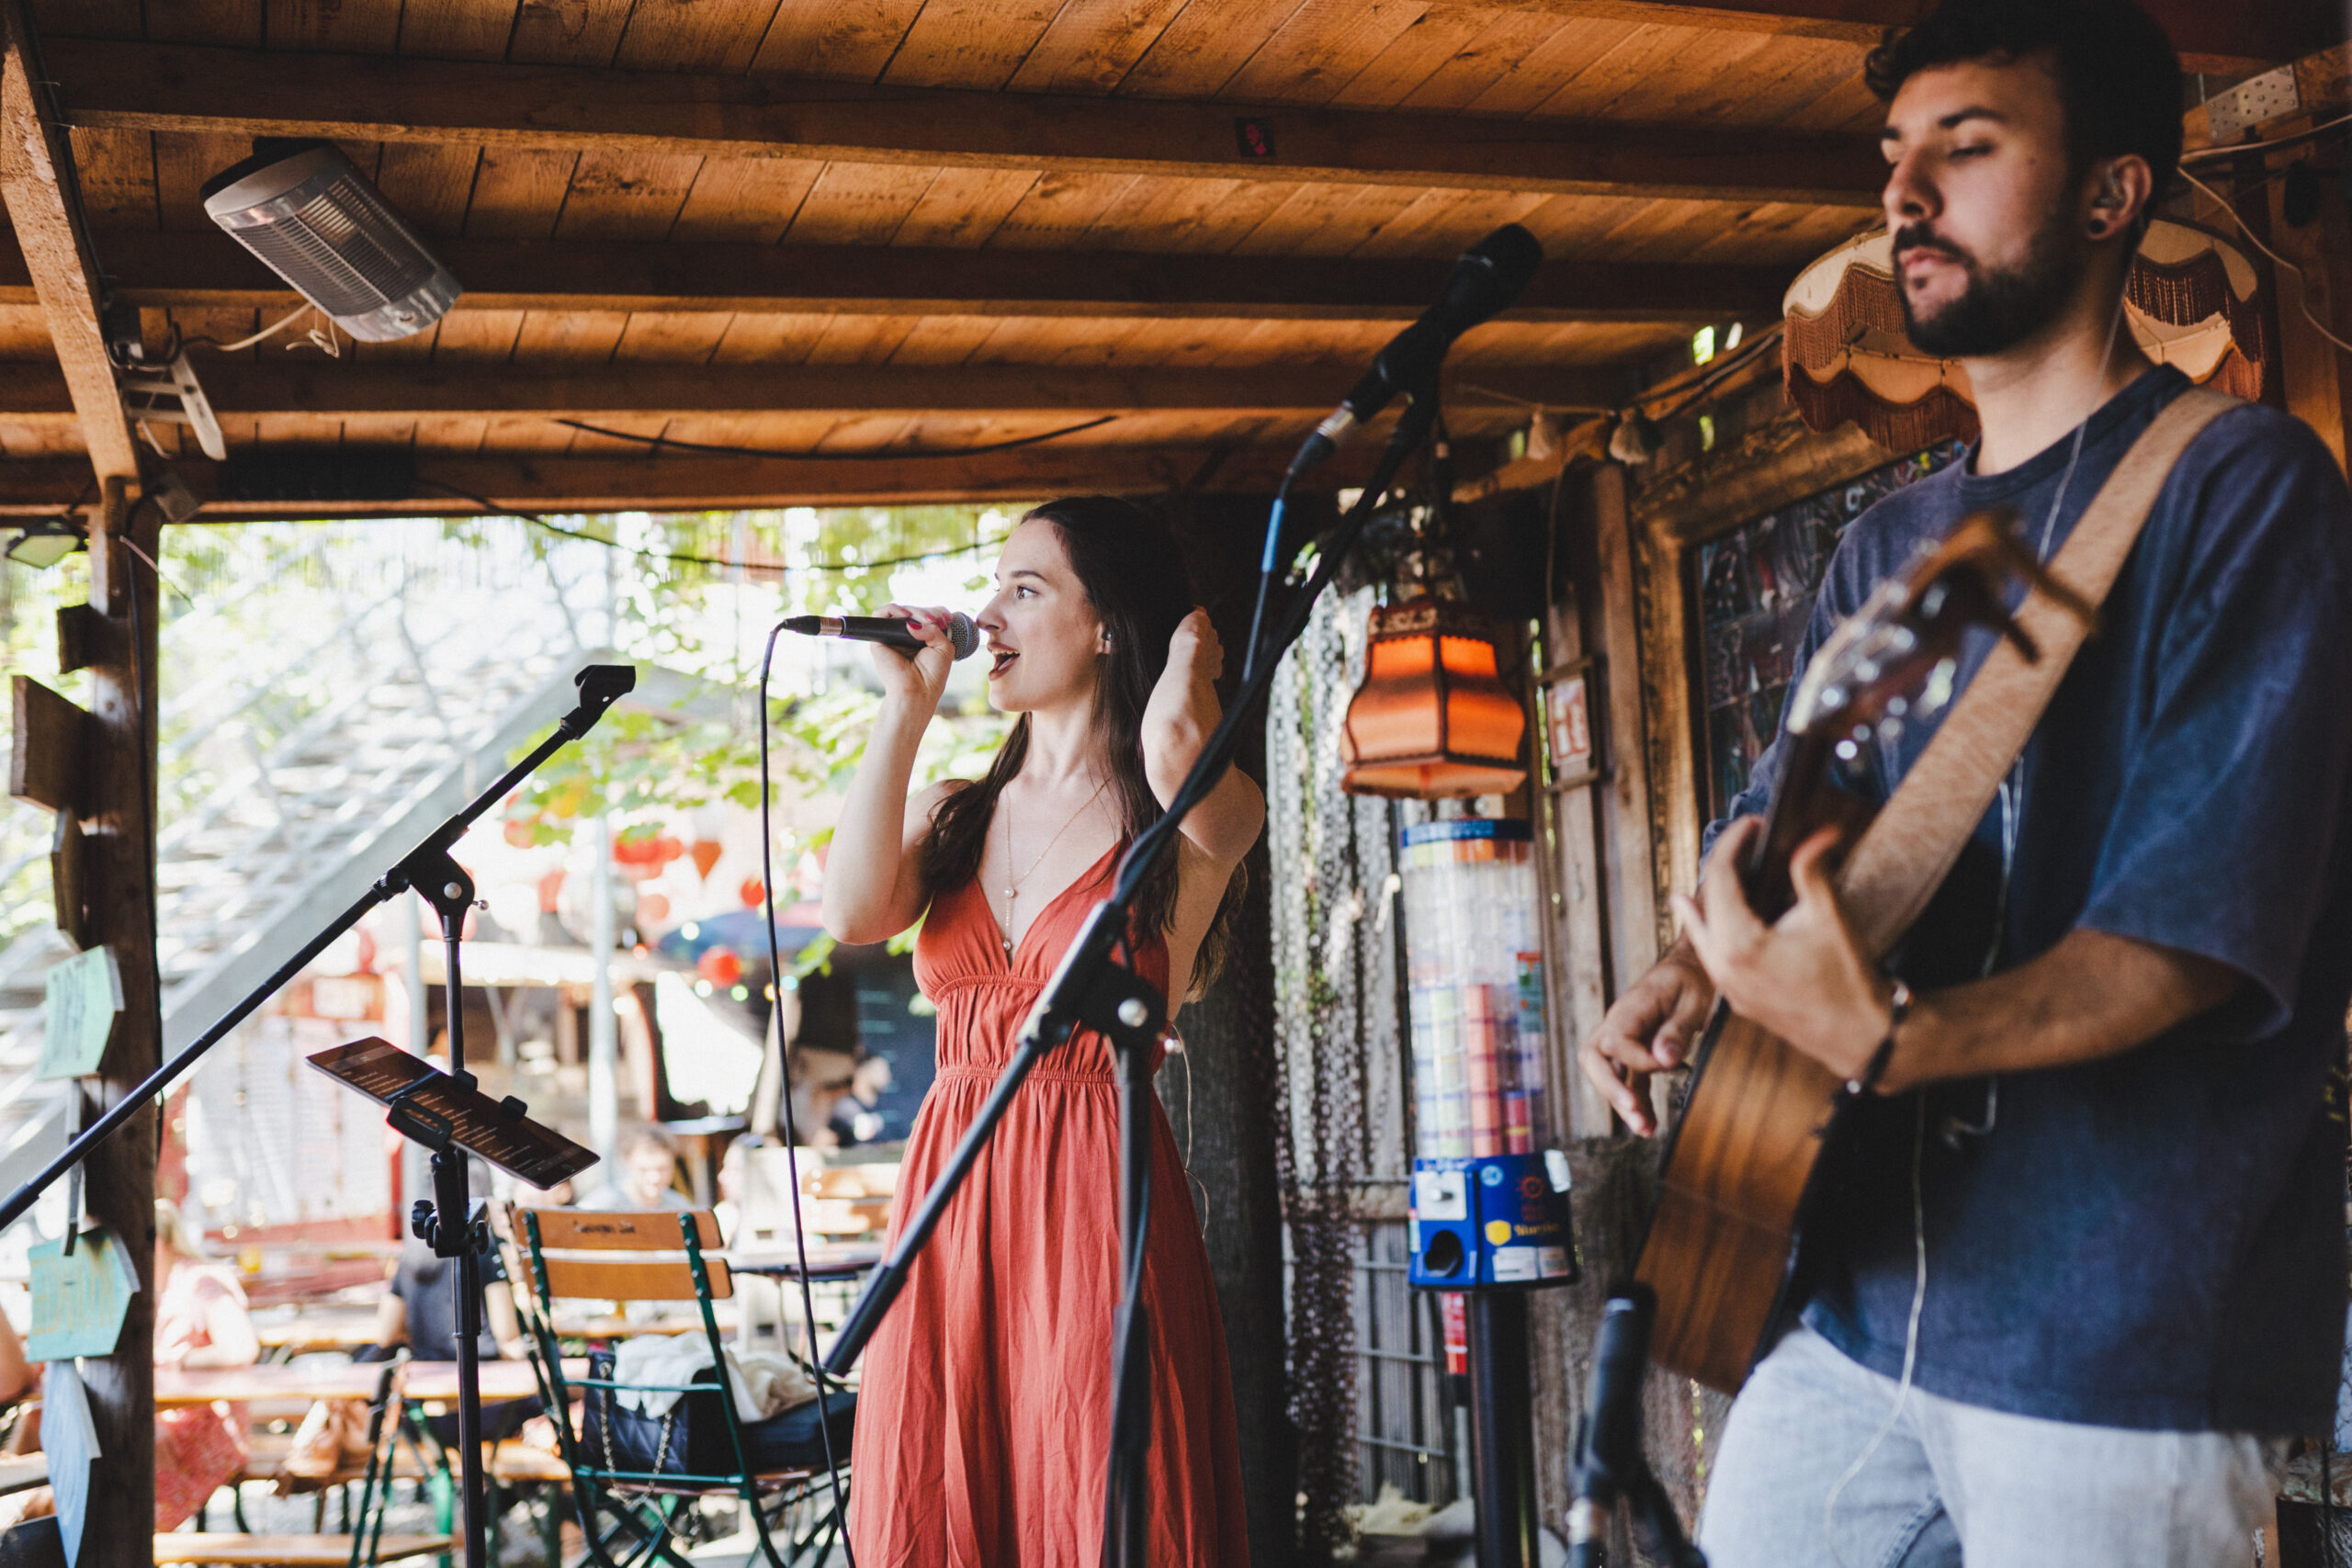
column 917, row 679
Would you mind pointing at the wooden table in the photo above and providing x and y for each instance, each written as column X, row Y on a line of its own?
column 500, row 1381
column 202, row 1385
column 826, row 1261
column 315, row 1328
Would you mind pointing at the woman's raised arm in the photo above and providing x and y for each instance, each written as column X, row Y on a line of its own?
column 1177, row 723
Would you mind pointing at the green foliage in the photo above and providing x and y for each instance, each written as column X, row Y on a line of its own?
column 690, row 618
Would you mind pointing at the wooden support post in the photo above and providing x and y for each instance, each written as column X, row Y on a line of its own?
column 118, row 1177
column 1579, row 882
column 118, row 860
column 37, row 183
column 1637, row 907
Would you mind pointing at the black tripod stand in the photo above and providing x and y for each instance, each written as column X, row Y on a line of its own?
column 433, row 1108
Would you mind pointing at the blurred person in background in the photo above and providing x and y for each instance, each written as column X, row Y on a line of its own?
column 645, row 1176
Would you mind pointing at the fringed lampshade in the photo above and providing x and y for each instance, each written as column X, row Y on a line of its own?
column 2190, row 302
column 1433, row 719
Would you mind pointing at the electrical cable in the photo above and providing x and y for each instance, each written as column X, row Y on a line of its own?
column 836, row 457
column 2303, row 295
column 244, row 343
column 1733, row 364
column 1266, row 565
column 784, row 1091
column 780, row 567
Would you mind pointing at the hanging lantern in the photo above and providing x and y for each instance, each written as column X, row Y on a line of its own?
column 2189, row 302
column 1433, row 719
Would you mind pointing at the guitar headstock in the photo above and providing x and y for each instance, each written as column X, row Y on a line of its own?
column 1894, row 659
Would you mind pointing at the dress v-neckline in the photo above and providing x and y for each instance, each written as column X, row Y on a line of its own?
column 1010, row 952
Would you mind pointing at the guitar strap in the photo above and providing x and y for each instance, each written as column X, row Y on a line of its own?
column 1905, row 854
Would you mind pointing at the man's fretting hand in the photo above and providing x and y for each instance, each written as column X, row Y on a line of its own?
column 1804, row 977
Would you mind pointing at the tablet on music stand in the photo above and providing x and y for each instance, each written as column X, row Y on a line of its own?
column 437, row 1110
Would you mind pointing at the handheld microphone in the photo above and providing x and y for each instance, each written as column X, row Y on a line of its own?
column 1485, row 280
column 962, row 636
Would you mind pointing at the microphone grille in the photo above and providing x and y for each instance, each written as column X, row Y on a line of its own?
column 962, row 636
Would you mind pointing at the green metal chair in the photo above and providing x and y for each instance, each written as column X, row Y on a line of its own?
column 631, row 1516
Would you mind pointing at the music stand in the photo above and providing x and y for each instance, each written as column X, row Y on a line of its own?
column 449, row 1114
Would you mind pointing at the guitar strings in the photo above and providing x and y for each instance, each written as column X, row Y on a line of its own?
column 2011, row 790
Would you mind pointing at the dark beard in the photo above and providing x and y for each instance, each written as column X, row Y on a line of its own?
column 1998, row 309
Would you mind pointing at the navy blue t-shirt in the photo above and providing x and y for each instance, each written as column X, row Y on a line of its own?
column 2155, row 1240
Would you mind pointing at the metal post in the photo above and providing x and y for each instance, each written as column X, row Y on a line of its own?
column 604, row 1094
column 1502, row 1429
column 420, row 1009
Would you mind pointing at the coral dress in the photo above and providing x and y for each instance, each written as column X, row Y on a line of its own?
column 984, row 1411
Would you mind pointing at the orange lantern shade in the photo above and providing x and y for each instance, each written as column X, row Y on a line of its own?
column 1433, row 719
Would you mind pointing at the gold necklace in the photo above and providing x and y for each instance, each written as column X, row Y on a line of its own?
column 1013, row 890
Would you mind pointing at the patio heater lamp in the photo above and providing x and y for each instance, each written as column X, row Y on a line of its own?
column 1433, row 719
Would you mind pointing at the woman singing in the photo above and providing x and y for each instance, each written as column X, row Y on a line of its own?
column 984, row 1415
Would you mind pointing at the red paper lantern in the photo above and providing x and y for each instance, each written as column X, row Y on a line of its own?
column 720, row 966
column 756, row 892
column 653, row 909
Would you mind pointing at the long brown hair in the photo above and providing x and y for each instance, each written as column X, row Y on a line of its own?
column 1134, row 579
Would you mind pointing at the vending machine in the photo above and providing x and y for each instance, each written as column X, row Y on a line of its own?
column 1489, row 1199
column 1489, row 1215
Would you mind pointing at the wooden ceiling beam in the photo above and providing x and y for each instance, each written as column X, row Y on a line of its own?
column 37, row 187
column 563, row 483
column 2214, row 38
column 149, row 268
column 232, row 92
column 598, row 393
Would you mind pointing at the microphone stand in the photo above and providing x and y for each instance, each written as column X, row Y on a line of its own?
column 451, row 1222
column 1089, row 988
column 1610, row 1462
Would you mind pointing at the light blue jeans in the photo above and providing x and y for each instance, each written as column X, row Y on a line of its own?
column 1955, row 1481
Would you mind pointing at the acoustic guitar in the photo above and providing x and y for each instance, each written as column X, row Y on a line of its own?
column 1736, row 1167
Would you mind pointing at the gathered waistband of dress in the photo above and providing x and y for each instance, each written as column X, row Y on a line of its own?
column 973, row 1072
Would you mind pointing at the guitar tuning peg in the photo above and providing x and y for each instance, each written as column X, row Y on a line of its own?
column 1847, row 751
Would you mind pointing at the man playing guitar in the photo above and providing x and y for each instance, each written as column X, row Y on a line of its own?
column 2075, row 1265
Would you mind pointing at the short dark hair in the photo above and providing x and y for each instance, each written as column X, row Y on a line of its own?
column 2119, row 78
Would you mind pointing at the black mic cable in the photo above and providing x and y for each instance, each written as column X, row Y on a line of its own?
column 784, row 1091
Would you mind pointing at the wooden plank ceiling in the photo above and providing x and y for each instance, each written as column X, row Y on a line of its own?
column 871, row 227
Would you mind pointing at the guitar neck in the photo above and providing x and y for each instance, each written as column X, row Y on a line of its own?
column 1804, row 801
